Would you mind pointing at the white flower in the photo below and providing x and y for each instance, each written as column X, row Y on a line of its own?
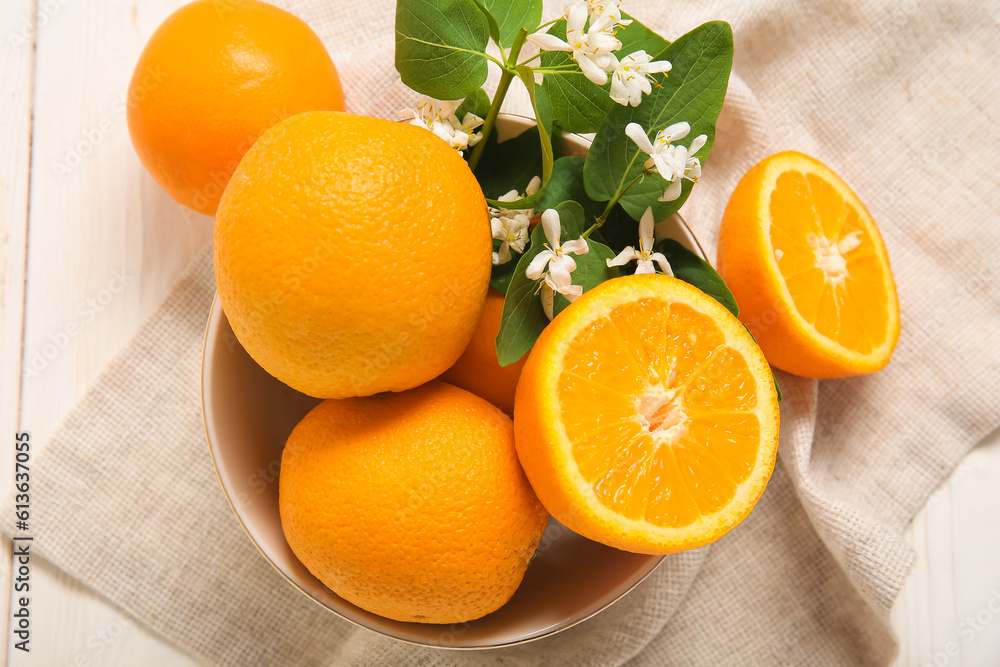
column 593, row 49
column 644, row 256
column 631, row 78
column 685, row 165
column 512, row 232
column 660, row 150
column 439, row 117
column 555, row 263
column 670, row 161
column 510, row 226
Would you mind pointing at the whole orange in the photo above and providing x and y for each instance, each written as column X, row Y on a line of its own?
column 211, row 79
column 478, row 370
column 411, row 505
column 352, row 254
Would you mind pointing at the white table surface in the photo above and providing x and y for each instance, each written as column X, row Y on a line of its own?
column 77, row 209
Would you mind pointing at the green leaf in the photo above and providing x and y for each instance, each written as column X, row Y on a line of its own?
column 509, row 165
column 620, row 230
column 543, row 114
column 523, row 318
column 441, row 47
column 696, row 271
column 693, row 92
column 478, row 103
column 491, row 22
column 566, row 184
column 512, row 15
column 578, row 104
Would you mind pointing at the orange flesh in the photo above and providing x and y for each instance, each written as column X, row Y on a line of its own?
column 658, row 379
column 838, row 290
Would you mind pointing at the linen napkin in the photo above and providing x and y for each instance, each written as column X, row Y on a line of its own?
column 900, row 99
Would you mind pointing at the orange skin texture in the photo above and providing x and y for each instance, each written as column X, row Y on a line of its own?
column 545, row 452
column 352, row 254
column 413, row 505
column 745, row 261
column 210, row 80
column 478, row 370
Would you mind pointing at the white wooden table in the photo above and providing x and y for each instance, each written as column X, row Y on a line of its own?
column 79, row 212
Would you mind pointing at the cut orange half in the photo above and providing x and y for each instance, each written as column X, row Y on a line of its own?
column 809, row 270
column 646, row 417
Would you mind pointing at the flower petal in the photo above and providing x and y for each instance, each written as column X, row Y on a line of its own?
column 677, row 131
column 498, row 229
column 697, row 144
column 576, row 15
column 548, row 42
column 624, row 257
column 662, row 261
column 672, row 192
column 635, row 132
column 551, row 225
column 537, row 265
column 471, row 121
column 576, row 246
column 619, row 91
column 533, row 186
column 658, row 66
column 573, row 293
column 663, row 167
column 590, row 69
column 646, row 230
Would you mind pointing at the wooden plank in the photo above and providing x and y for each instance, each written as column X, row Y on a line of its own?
column 104, row 246
column 17, row 53
column 948, row 614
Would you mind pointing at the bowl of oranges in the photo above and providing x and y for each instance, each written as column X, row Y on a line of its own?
column 403, row 493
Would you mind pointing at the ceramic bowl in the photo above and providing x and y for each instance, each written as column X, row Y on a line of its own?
column 248, row 417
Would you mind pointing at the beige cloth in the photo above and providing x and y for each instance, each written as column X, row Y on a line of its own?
column 900, row 98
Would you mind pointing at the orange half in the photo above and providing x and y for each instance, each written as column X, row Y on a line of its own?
column 646, row 417
column 809, row 269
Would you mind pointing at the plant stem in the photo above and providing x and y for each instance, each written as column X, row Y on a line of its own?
column 506, row 76
column 602, row 218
